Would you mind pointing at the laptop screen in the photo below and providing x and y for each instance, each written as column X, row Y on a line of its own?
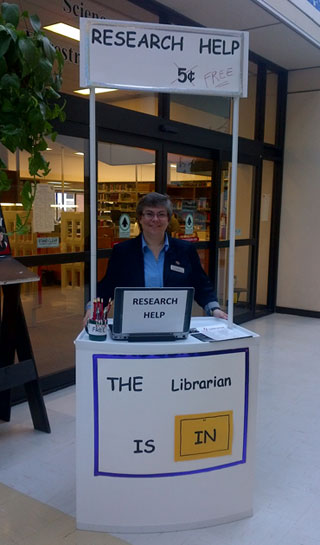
column 152, row 312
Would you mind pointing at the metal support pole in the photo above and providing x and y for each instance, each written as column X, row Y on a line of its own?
column 233, row 200
column 93, row 196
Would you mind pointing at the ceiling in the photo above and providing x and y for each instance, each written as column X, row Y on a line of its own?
column 268, row 35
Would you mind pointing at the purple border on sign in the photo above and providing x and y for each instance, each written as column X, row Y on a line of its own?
column 95, row 358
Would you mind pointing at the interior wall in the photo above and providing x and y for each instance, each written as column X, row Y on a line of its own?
column 299, row 259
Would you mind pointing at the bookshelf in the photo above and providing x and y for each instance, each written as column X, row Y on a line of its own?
column 192, row 197
column 116, row 198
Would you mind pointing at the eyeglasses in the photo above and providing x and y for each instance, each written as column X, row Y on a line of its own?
column 151, row 215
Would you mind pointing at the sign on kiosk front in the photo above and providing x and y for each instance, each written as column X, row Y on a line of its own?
column 206, row 396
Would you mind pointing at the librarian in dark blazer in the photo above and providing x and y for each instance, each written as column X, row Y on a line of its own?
column 154, row 259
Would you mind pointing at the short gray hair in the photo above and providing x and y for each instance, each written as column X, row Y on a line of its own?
column 154, row 200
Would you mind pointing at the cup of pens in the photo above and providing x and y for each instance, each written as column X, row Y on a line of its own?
column 97, row 325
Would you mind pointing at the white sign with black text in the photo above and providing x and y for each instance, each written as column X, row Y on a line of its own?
column 163, row 58
column 131, row 440
column 161, row 311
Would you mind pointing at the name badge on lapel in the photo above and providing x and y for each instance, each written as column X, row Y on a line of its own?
column 177, row 269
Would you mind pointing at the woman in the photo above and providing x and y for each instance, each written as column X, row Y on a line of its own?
column 154, row 259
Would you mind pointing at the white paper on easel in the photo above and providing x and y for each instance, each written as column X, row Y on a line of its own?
column 43, row 212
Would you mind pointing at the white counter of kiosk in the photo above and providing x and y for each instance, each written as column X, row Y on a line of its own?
column 165, row 431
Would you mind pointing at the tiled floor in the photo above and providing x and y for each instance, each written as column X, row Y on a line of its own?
column 38, row 507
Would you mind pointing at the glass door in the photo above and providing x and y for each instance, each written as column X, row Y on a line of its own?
column 242, row 297
column 53, row 248
column 125, row 174
column 189, row 187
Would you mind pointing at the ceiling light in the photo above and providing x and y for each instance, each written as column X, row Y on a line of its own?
column 64, row 205
column 59, row 183
column 10, row 203
column 97, row 90
column 78, row 153
column 48, row 149
column 65, row 30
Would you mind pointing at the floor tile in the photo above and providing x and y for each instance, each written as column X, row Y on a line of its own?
column 38, row 474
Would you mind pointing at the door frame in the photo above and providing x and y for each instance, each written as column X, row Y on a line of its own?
column 162, row 147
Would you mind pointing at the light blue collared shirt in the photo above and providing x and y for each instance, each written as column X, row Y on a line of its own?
column 153, row 268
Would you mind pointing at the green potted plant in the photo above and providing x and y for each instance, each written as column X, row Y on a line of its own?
column 30, row 80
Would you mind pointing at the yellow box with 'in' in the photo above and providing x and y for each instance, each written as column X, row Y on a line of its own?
column 203, row 435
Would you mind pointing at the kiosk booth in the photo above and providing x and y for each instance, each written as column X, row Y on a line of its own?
column 165, row 430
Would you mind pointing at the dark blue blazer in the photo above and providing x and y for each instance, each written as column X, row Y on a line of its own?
column 126, row 269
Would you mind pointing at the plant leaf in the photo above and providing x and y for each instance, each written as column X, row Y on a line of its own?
column 3, row 66
column 37, row 164
column 12, row 31
column 18, row 222
column 44, row 69
column 52, row 93
column 30, row 78
column 7, row 105
column 21, row 228
column 12, row 54
column 5, row 183
column 60, row 59
column 12, row 130
column 10, row 13
column 35, row 22
column 5, row 40
column 26, row 195
column 10, row 80
column 48, row 48
column 29, row 51
column 42, row 145
column 24, row 229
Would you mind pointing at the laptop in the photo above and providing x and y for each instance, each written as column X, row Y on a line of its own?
column 152, row 314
